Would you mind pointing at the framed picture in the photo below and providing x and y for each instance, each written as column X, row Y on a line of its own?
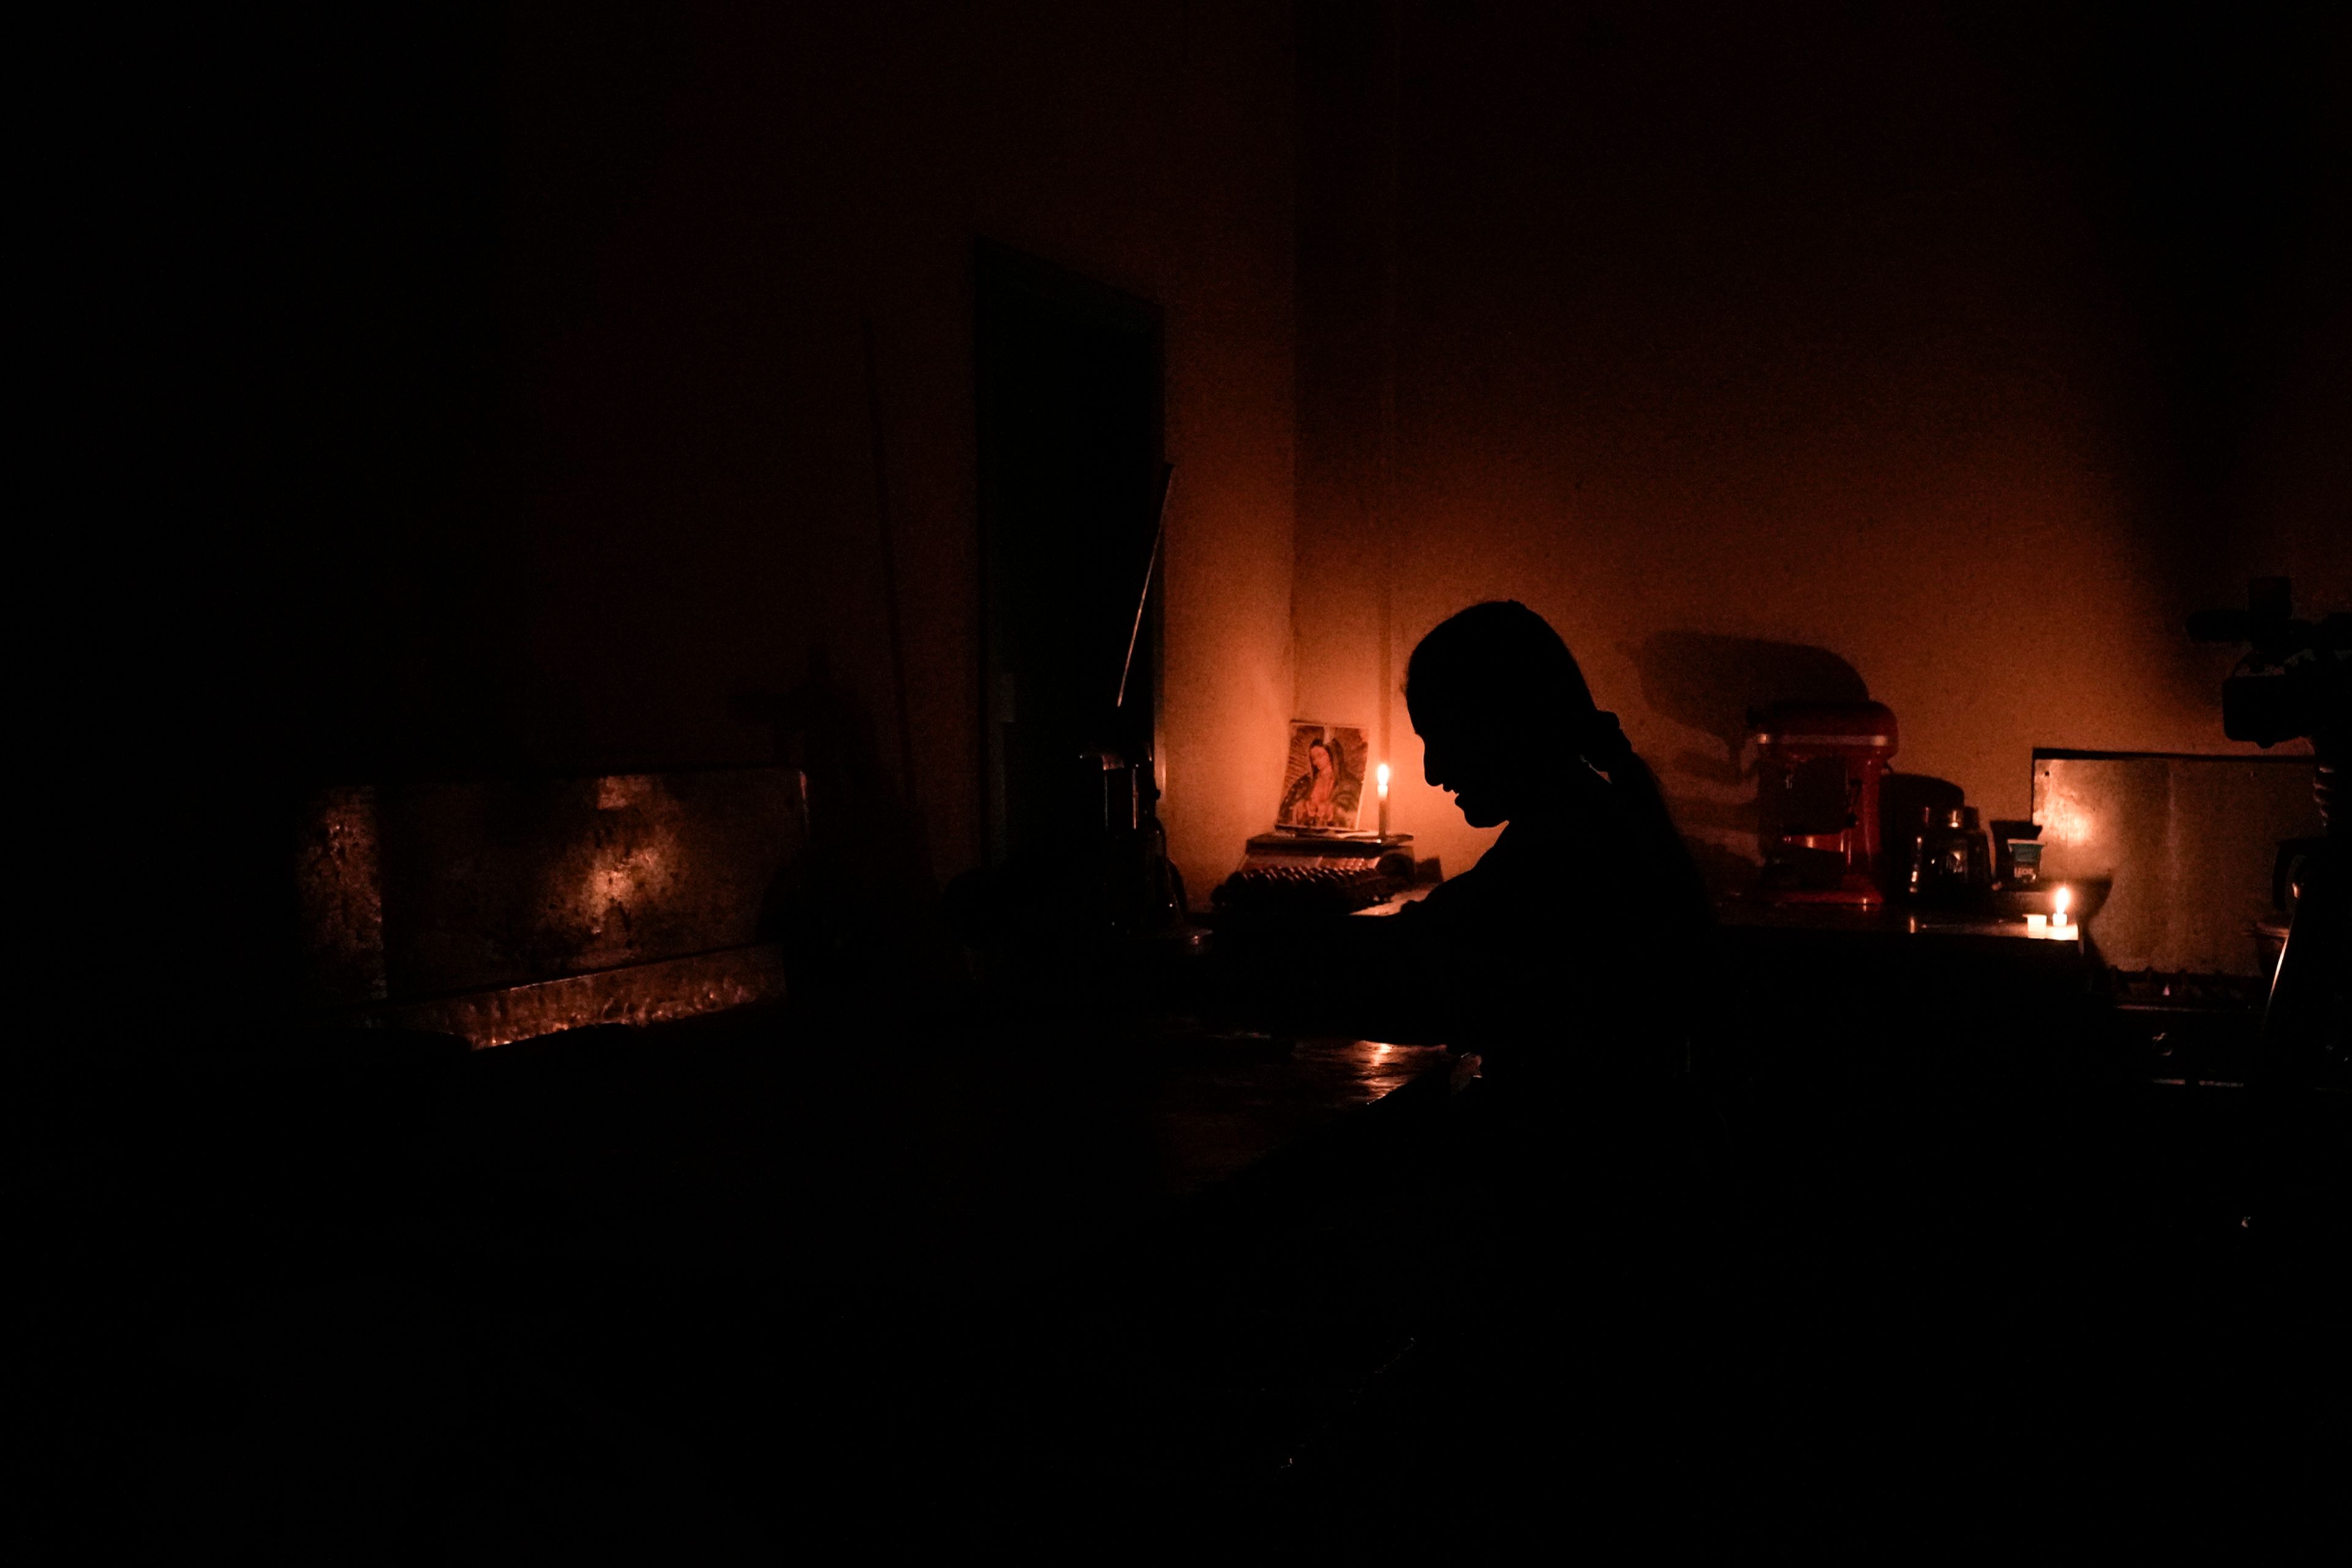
column 1323, row 777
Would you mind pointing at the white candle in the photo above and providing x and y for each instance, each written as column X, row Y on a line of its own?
column 2037, row 925
column 2058, row 907
column 1382, row 774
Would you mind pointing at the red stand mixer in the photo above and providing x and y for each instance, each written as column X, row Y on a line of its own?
column 1819, row 765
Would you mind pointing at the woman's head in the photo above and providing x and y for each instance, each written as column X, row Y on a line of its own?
column 1318, row 758
column 1508, row 725
column 1501, row 708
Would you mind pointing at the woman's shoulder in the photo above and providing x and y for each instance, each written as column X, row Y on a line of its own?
column 1507, row 882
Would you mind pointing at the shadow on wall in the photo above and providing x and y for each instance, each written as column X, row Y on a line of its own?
column 1714, row 683
column 1717, row 686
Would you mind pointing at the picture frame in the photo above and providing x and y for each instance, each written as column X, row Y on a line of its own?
column 1324, row 778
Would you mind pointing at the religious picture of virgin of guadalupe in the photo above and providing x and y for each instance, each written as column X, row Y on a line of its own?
column 1323, row 780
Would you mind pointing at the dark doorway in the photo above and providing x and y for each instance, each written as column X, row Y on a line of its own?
column 1069, row 433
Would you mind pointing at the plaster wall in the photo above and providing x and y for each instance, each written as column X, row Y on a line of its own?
column 1815, row 350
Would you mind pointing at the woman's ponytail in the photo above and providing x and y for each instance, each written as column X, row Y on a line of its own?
column 1643, row 801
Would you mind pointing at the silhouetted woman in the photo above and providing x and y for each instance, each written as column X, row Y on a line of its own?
column 1570, row 953
column 1574, row 958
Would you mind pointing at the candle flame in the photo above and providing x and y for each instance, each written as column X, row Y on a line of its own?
column 2062, row 902
column 1382, row 773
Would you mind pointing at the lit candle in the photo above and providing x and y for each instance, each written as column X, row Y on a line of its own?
column 2059, row 903
column 1382, row 774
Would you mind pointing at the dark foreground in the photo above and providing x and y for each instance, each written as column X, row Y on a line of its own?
column 760, row 1282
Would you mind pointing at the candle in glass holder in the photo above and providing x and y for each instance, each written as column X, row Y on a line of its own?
column 1381, row 774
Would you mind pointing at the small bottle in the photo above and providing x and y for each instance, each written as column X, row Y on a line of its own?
column 1921, row 879
column 1952, row 848
column 1979, row 878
